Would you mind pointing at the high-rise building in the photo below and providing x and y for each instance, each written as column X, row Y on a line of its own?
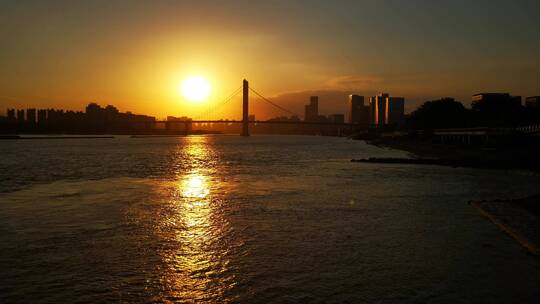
column 20, row 116
column 395, row 111
column 31, row 116
column 42, row 117
column 11, row 114
column 496, row 98
column 497, row 109
column 358, row 111
column 377, row 109
column 312, row 109
column 533, row 102
column 386, row 110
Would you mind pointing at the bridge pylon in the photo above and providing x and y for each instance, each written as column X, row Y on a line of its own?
column 245, row 109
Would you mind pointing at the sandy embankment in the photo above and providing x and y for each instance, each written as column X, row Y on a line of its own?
column 520, row 219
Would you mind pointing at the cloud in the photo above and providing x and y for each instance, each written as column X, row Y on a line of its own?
column 331, row 101
column 334, row 93
column 357, row 82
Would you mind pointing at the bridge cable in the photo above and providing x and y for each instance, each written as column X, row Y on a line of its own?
column 272, row 103
column 212, row 108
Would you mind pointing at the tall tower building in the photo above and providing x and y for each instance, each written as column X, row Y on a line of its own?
column 20, row 116
column 312, row 109
column 395, row 111
column 358, row 111
column 386, row 110
column 42, row 116
column 31, row 116
column 11, row 114
column 377, row 107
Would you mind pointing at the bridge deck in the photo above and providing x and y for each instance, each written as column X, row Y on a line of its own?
column 264, row 122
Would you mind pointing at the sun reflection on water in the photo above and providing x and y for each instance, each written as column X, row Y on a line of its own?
column 195, row 186
column 197, row 262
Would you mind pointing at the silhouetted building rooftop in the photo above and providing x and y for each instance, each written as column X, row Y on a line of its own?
column 533, row 102
column 312, row 109
column 386, row 110
column 496, row 98
column 358, row 111
column 336, row 118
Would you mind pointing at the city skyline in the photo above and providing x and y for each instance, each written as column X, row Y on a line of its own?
column 136, row 59
column 309, row 151
column 356, row 105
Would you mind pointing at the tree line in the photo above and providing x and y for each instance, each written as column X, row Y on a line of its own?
column 447, row 113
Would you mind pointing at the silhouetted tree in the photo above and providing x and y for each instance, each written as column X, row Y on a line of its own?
column 440, row 114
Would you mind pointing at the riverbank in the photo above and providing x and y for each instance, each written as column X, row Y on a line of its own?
column 519, row 218
column 17, row 137
column 428, row 153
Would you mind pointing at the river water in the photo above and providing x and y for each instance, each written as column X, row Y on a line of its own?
column 264, row 219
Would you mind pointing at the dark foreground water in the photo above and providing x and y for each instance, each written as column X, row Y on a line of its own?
column 265, row 219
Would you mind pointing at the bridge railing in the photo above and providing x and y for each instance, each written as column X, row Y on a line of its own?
column 474, row 131
column 529, row 129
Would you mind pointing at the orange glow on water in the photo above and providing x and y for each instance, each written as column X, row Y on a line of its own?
column 195, row 186
column 197, row 253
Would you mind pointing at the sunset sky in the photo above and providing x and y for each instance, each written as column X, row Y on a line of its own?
column 135, row 54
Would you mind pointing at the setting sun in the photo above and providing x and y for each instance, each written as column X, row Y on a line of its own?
column 195, row 88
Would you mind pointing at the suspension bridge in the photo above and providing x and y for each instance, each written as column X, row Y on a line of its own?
column 246, row 122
